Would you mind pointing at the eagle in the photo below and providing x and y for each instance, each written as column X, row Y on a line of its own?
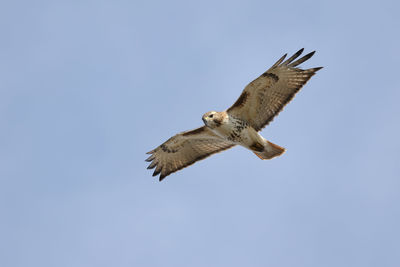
column 260, row 101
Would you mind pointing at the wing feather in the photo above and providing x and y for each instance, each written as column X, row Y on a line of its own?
column 265, row 97
column 185, row 149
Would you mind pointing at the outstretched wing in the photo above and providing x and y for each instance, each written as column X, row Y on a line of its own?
column 185, row 149
column 265, row 97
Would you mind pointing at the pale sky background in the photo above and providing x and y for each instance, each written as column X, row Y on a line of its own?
column 87, row 87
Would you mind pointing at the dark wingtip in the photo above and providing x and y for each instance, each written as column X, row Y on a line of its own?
column 279, row 61
column 156, row 172
column 314, row 70
column 308, row 56
column 295, row 55
column 301, row 60
column 150, row 158
column 162, row 176
column 151, row 167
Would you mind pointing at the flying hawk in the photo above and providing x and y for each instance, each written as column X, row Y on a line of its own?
column 258, row 104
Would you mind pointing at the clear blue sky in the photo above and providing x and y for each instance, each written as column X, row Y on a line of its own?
column 87, row 87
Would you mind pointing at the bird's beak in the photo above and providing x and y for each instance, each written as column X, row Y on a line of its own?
column 204, row 120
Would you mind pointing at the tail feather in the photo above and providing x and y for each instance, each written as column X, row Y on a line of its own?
column 270, row 151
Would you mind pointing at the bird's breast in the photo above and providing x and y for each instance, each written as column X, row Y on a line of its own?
column 234, row 130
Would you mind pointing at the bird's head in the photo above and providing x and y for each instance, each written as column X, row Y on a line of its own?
column 212, row 119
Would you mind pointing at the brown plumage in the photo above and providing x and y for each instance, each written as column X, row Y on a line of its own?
column 267, row 95
column 184, row 149
column 259, row 103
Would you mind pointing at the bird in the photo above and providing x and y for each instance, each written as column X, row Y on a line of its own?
column 260, row 101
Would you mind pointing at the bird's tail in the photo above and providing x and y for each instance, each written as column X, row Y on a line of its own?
column 269, row 151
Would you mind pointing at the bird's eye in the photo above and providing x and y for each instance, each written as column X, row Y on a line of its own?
column 211, row 115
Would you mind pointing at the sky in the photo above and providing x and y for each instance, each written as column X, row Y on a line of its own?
column 88, row 87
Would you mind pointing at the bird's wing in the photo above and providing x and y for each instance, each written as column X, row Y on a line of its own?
column 265, row 97
column 185, row 149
